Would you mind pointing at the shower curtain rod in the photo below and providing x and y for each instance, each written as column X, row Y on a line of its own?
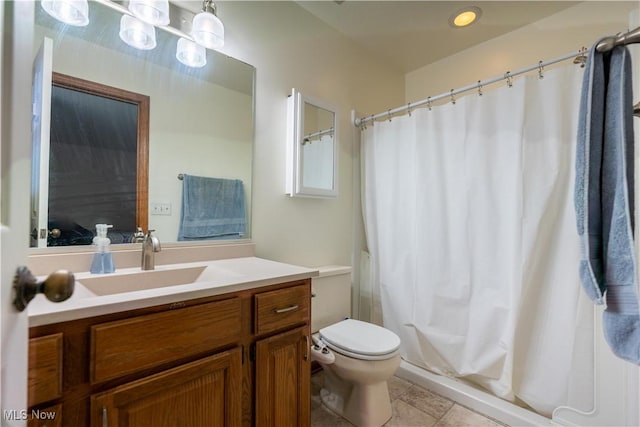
column 318, row 134
column 362, row 121
column 609, row 43
column 604, row 46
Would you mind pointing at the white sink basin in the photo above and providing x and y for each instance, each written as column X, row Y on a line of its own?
column 109, row 284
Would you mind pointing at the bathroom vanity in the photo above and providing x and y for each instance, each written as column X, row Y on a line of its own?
column 223, row 350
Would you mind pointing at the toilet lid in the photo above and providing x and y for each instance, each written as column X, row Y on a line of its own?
column 357, row 337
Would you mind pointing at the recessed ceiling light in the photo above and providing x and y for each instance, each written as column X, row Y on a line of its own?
column 465, row 17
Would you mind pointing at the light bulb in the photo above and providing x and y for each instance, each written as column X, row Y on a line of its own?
column 154, row 12
column 136, row 33
column 465, row 17
column 71, row 12
column 191, row 54
column 208, row 30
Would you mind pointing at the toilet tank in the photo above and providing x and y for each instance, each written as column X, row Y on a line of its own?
column 331, row 302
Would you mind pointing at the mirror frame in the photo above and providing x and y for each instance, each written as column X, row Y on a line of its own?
column 295, row 135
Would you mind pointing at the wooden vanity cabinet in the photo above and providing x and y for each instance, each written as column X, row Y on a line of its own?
column 283, row 365
column 45, row 380
column 198, row 394
column 235, row 359
column 283, row 378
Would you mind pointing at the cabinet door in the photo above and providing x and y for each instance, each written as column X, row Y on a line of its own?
column 204, row 393
column 283, row 379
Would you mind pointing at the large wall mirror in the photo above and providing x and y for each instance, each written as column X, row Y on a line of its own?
column 312, row 155
column 200, row 120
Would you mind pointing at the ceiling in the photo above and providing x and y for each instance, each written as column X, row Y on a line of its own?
column 411, row 34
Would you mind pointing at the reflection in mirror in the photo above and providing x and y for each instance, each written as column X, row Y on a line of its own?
column 95, row 130
column 311, row 149
column 200, row 120
column 317, row 147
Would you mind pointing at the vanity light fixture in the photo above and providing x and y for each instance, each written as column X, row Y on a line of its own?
column 465, row 17
column 207, row 29
column 71, row 12
column 191, row 54
column 136, row 33
column 154, row 12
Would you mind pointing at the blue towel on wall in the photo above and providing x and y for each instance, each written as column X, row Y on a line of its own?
column 212, row 208
column 604, row 197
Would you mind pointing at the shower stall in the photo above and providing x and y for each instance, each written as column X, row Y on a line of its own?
column 473, row 252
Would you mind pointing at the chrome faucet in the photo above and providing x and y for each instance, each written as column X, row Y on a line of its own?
column 138, row 236
column 150, row 245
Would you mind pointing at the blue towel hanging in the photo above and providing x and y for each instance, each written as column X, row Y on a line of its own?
column 212, row 208
column 604, row 197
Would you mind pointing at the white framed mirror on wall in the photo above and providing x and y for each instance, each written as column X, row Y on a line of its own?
column 312, row 154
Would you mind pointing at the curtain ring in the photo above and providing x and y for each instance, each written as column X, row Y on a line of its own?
column 363, row 123
column 581, row 58
column 389, row 114
column 453, row 98
column 509, row 79
column 479, row 88
column 540, row 70
column 409, row 108
column 429, row 103
column 373, row 120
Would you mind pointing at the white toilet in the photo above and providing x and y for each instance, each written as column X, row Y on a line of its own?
column 357, row 357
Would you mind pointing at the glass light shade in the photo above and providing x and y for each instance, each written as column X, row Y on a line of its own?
column 207, row 30
column 191, row 54
column 136, row 33
column 71, row 12
column 154, row 12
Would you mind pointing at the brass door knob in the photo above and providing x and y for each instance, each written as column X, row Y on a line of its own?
column 54, row 233
column 57, row 287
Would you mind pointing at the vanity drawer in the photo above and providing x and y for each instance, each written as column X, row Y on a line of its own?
column 130, row 345
column 282, row 308
column 45, row 368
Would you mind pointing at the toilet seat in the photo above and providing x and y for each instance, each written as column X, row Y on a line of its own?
column 360, row 340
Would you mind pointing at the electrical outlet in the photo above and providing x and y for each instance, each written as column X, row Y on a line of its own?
column 160, row 208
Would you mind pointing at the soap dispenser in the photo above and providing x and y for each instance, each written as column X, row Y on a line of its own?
column 102, row 259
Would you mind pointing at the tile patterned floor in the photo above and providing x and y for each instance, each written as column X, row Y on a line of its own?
column 412, row 406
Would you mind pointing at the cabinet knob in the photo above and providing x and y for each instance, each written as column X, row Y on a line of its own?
column 57, row 287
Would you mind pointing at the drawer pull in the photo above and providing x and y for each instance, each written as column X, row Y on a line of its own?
column 285, row 310
column 105, row 419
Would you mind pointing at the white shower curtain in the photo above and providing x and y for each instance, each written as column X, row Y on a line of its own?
column 318, row 173
column 474, row 251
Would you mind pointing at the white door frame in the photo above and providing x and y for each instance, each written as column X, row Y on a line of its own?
column 16, row 47
column 41, row 141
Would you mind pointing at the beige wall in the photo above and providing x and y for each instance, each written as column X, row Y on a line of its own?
column 548, row 38
column 291, row 48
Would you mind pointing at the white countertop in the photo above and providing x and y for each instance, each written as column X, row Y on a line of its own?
column 218, row 277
